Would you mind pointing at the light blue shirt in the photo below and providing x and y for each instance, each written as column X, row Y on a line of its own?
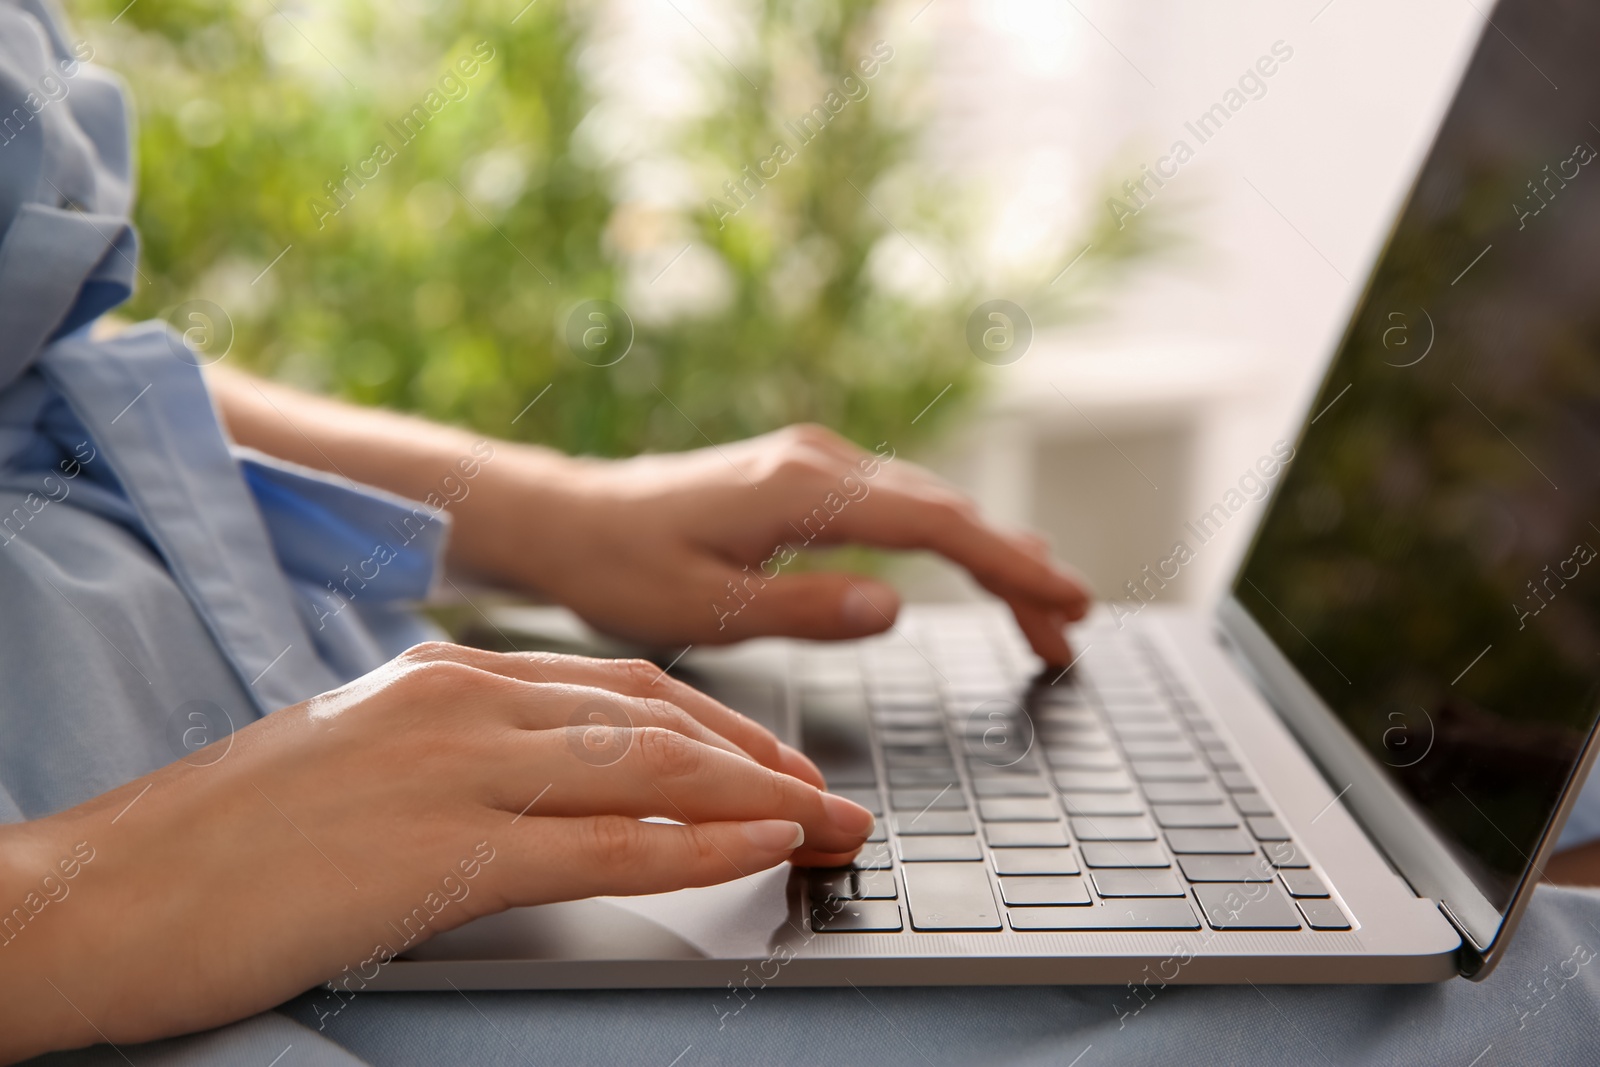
column 149, row 569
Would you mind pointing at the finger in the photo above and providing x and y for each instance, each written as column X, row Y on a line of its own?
column 820, row 606
column 638, row 678
column 613, row 855
column 554, row 705
column 642, row 678
column 834, row 606
column 1044, row 630
column 938, row 520
column 586, row 709
column 806, row 857
column 653, row 772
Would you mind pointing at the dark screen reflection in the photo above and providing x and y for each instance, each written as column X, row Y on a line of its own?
column 1429, row 564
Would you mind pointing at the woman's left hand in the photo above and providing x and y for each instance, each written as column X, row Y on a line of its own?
column 696, row 547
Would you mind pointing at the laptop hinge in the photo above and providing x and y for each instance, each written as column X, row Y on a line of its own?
column 1470, row 955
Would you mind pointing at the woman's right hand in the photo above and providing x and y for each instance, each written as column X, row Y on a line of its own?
column 453, row 780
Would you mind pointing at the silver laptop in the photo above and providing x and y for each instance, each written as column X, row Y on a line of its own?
column 1352, row 771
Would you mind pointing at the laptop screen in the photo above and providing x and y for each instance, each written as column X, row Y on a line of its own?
column 1430, row 563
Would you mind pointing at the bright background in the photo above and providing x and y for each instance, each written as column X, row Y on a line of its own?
column 578, row 166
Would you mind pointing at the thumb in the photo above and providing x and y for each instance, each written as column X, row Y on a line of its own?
column 820, row 606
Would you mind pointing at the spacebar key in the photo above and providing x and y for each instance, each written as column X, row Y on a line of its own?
column 1139, row 913
column 950, row 896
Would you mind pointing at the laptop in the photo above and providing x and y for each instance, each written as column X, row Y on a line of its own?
column 1352, row 770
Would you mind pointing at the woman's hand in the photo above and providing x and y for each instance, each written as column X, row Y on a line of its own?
column 449, row 784
column 693, row 547
column 673, row 549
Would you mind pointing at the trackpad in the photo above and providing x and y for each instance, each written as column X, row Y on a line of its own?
column 737, row 920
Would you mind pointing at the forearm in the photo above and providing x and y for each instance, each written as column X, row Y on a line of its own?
column 41, row 940
column 467, row 473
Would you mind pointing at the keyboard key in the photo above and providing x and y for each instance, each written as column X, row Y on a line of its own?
column 950, row 896
column 918, row 756
column 1253, row 906
column 856, row 917
column 1086, row 731
column 1124, row 854
column 911, row 697
column 1067, row 720
column 1041, row 890
column 1184, row 793
column 1302, row 883
column 1112, row 828
column 966, row 694
column 1189, row 770
column 1094, row 781
column 1213, row 841
column 1035, row 861
column 880, row 831
column 1018, row 809
column 920, row 776
column 1073, row 735
column 999, row 725
column 1128, row 913
column 867, row 798
column 890, row 736
column 1236, row 781
column 847, row 884
column 833, row 885
column 1162, row 730
column 933, row 822
column 1155, row 720
column 1158, row 750
column 1011, row 786
column 1025, row 834
column 1066, row 723
column 1285, row 854
column 1137, row 883
column 1027, row 767
column 874, row 856
column 905, row 717
column 1062, row 698
column 1250, row 802
column 1083, row 759
column 1266, row 828
column 1077, row 803
column 1225, row 868
column 1323, row 915
column 915, row 800
column 1180, row 816
column 1002, row 753
column 926, row 849
column 875, row 885
column 1122, row 699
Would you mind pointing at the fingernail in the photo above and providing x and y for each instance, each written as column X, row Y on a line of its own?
column 775, row 835
column 848, row 816
column 868, row 608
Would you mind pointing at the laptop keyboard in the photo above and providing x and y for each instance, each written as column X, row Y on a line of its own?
column 1096, row 798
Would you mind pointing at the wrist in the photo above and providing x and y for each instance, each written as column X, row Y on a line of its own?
column 509, row 524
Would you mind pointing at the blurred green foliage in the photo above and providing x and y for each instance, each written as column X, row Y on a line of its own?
column 443, row 281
